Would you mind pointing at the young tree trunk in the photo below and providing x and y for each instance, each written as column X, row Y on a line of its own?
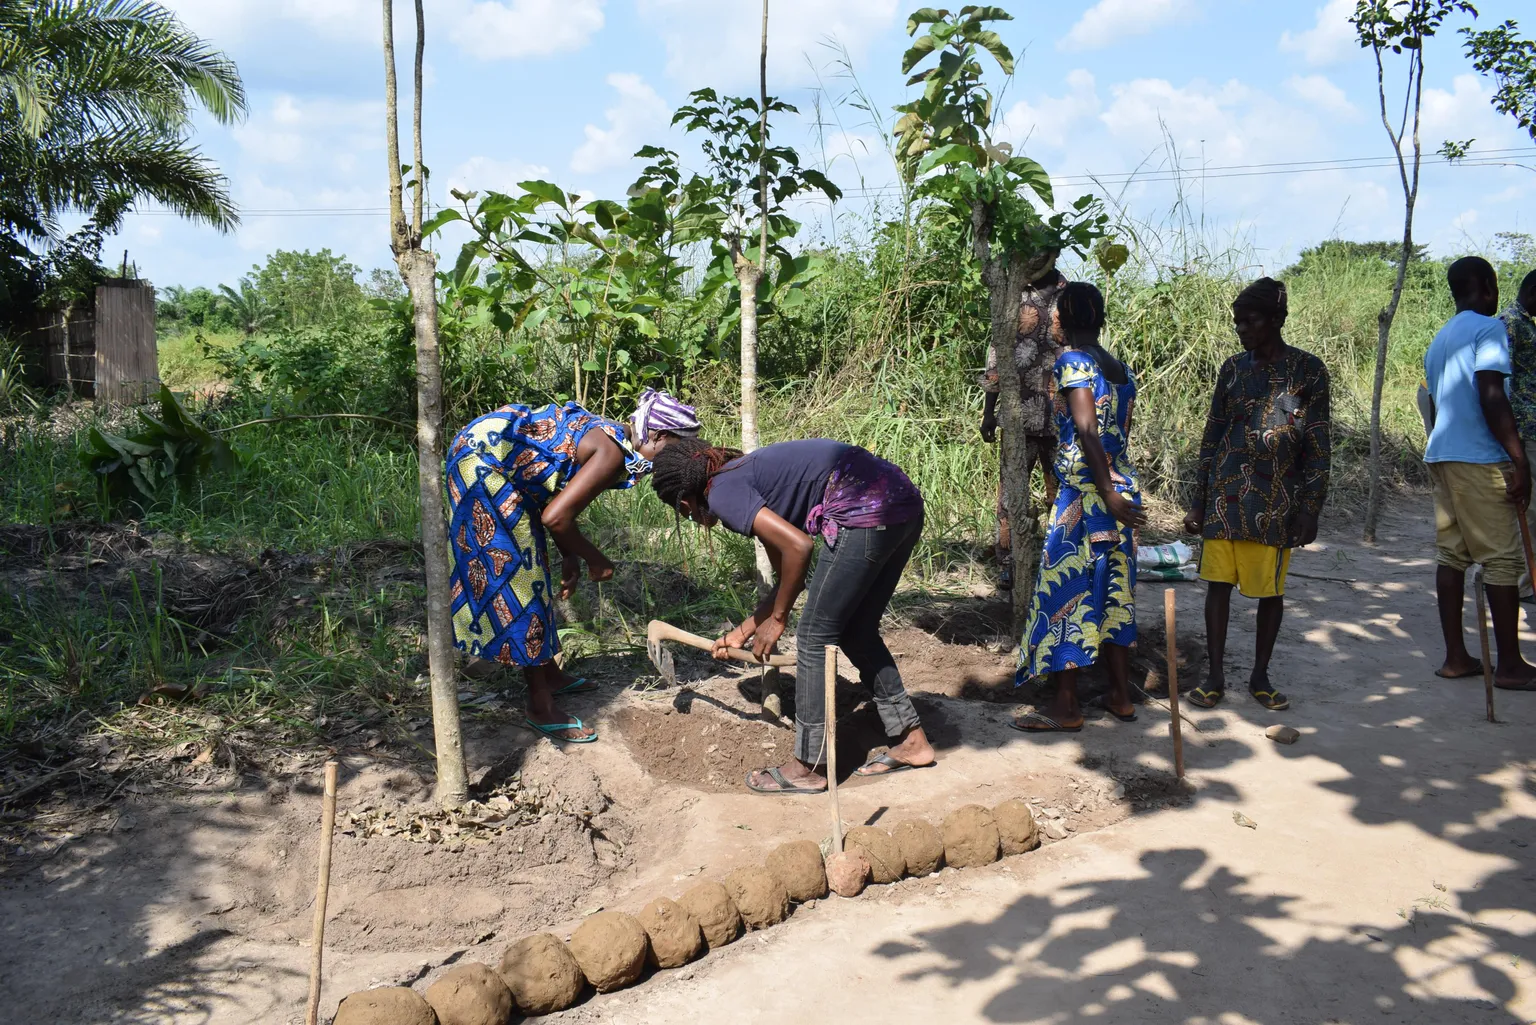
column 418, row 268
column 1383, row 334
column 1410, row 184
column 1003, row 274
column 749, row 276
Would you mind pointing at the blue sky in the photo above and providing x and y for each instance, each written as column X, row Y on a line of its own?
column 566, row 90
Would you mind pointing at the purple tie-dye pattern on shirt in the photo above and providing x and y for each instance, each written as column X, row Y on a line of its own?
column 863, row 491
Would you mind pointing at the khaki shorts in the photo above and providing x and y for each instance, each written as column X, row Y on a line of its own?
column 1474, row 522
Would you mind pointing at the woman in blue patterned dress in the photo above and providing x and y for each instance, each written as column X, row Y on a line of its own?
column 1084, row 602
column 515, row 477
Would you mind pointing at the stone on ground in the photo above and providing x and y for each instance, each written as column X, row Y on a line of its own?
column 922, row 848
column 761, row 899
column 799, row 867
column 1282, row 734
column 542, row 974
column 886, row 863
column 392, row 1005
column 847, row 872
column 674, row 933
column 470, row 994
column 1016, row 829
column 970, row 837
column 715, row 912
column 610, row 947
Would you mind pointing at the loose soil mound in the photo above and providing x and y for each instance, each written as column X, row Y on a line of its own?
column 922, row 847
column 1016, row 828
column 714, row 750
column 970, row 837
column 761, row 899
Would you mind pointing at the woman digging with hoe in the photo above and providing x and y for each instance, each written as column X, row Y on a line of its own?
column 870, row 516
column 516, row 476
column 1084, row 608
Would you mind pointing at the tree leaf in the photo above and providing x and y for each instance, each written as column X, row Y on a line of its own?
column 993, row 44
column 545, row 191
column 1111, row 256
column 1030, row 173
column 444, row 216
column 921, row 48
column 924, row 16
column 950, row 153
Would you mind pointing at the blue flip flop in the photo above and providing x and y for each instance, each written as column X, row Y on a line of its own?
column 549, row 729
column 578, row 686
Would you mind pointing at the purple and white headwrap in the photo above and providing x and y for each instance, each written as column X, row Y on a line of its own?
column 659, row 411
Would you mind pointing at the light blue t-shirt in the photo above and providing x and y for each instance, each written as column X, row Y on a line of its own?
column 1469, row 342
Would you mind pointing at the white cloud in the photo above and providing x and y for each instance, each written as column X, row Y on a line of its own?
column 1110, row 21
column 1330, row 39
column 1052, row 122
column 713, row 43
column 639, row 113
column 502, row 29
column 481, row 174
column 319, row 132
column 485, row 29
column 218, row 20
column 1321, row 93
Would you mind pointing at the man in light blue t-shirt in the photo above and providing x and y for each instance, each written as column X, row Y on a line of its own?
column 1481, row 475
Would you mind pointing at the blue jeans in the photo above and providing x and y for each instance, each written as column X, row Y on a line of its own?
column 845, row 598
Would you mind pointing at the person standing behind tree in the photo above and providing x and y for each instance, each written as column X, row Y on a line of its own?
column 1519, row 319
column 1035, row 349
column 1481, row 475
column 1264, row 465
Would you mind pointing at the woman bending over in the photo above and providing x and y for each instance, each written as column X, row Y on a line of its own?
column 516, row 477
column 870, row 517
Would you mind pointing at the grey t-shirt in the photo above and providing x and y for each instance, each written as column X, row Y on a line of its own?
column 788, row 477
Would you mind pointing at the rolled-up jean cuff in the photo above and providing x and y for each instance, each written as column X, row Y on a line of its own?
column 810, row 742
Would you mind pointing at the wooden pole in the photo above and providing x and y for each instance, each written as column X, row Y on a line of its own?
column 1482, row 636
column 322, row 891
column 1170, row 627
column 831, row 735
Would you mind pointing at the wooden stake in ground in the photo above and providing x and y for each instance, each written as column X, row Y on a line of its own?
column 1170, row 626
column 322, row 891
column 1482, row 636
column 831, row 740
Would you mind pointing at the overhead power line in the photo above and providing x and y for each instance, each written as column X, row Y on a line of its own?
column 1474, row 158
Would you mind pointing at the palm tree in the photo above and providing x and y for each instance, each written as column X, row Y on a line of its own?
column 247, row 306
column 96, row 100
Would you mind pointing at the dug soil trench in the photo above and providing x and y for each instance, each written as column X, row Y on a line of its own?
column 191, row 903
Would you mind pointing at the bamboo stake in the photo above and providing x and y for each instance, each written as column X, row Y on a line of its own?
column 1170, row 627
column 1482, row 636
column 322, row 891
column 831, row 736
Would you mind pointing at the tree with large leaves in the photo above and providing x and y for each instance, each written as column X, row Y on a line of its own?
column 96, row 104
column 945, row 145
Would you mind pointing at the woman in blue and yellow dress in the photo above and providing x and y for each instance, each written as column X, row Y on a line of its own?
column 517, row 476
column 1084, row 602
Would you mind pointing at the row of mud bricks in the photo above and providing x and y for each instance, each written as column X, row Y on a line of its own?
column 540, row 975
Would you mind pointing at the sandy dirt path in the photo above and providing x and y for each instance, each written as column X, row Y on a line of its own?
column 1390, row 875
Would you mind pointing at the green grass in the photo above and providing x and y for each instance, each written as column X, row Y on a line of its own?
column 184, row 364
column 882, row 354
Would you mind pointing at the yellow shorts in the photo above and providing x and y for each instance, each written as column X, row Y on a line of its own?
column 1257, row 570
column 1474, row 521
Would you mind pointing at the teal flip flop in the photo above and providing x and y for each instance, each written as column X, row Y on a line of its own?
column 549, row 729
column 578, row 686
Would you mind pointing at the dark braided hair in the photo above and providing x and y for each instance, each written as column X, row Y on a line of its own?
column 685, row 467
column 1081, row 307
